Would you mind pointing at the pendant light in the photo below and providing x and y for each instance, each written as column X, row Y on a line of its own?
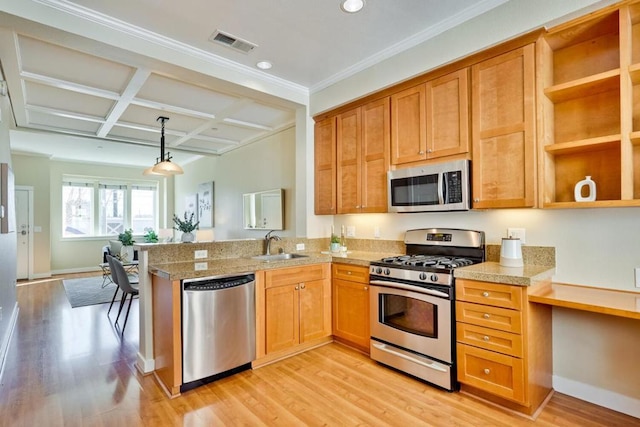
column 163, row 165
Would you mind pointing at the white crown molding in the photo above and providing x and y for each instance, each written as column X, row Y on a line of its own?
column 421, row 37
column 87, row 14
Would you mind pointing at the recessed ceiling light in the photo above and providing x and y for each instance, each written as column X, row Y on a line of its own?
column 264, row 65
column 352, row 6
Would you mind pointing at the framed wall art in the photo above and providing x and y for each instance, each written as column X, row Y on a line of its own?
column 205, row 204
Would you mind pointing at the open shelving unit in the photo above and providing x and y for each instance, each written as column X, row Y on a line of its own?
column 589, row 75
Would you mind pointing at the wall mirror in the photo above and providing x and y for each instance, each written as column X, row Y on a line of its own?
column 264, row 210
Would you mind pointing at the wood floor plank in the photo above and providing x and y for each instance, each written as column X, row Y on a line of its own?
column 70, row 367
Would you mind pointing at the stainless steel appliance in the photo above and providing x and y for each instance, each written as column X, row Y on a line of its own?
column 412, row 303
column 218, row 327
column 431, row 188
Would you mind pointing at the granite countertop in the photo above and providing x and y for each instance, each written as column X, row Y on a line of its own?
column 495, row 273
column 219, row 266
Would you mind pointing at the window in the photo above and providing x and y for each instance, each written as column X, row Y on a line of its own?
column 97, row 207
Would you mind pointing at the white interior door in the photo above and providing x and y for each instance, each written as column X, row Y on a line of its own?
column 23, row 231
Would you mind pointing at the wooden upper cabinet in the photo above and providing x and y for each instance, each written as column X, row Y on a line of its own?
column 325, row 166
column 408, row 125
column 431, row 120
column 448, row 114
column 363, row 136
column 503, row 130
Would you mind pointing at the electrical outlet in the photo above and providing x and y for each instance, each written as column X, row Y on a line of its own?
column 199, row 266
column 351, row 231
column 637, row 271
column 299, row 246
column 200, row 254
column 517, row 233
column 0, row 313
column 376, row 232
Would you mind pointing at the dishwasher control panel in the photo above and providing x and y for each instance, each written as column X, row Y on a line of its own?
column 217, row 283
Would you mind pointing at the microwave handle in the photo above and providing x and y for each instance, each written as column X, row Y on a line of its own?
column 442, row 189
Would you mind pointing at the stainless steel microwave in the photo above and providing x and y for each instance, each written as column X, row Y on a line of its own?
column 431, row 188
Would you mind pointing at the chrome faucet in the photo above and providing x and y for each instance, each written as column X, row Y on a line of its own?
column 267, row 240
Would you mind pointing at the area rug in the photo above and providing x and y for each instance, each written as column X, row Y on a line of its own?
column 89, row 291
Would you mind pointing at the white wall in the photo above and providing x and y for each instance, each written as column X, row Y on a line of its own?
column 263, row 165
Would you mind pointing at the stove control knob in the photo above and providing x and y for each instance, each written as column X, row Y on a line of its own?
column 379, row 270
column 422, row 276
column 434, row 278
column 387, row 271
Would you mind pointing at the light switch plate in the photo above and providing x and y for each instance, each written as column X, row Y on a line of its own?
column 200, row 254
column 637, row 276
column 351, row 231
column 517, row 233
column 199, row 266
column 299, row 246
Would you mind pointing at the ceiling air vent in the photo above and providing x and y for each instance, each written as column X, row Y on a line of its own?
column 233, row 42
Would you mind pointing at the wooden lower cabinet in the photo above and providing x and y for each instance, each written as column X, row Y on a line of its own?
column 293, row 310
column 351, row 305
column 503, row 345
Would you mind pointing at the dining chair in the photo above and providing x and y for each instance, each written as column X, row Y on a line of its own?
column 126, row 287
column 114, row 279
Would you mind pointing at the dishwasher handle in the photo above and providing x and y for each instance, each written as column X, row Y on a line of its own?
column 218, row 282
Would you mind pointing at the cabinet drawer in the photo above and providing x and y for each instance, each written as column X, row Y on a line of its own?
column 352, row 273
column 490, row 339
column 492, row 372
column 489, row 316
column 290, row 275
column 498, row 295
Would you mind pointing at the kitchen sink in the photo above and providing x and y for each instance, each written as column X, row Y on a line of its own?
column 278, row 257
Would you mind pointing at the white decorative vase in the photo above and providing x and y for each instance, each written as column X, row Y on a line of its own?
column 188, row 237
column 126, row 254
column 590, row 186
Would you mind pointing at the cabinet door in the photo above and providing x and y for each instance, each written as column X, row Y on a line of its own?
column 448, row 114
column 503, row 130
column 348, row 160
column 351, row 312
column 376, row 137
column 408, row 126
column 325, row 166
column 282, row 318
column 315, row 309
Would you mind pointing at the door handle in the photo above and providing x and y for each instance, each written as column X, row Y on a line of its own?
column 23, row 232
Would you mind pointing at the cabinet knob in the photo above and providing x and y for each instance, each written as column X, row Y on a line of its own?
column 421, row 152
column 476, row 200
column 487, row 371
column 301, row 285
column 485, row 294
column 486, row 338
column 297, row 287
column 486, row 315
column 366, row 288
column 348, row 272
column 429, row 150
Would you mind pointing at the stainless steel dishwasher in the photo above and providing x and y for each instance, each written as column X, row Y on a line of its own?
column 218, row 326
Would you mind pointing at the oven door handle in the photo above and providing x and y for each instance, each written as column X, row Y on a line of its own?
column 408, row 288
column 386, row 349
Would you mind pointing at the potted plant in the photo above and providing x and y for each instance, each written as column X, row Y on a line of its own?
column 335, row 243
column 150, row 236
column 187, row 226
column 126, row 238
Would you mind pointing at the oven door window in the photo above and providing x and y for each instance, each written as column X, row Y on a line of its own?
column 409, row 315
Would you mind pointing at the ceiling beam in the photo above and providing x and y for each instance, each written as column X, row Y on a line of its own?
column 133, row 87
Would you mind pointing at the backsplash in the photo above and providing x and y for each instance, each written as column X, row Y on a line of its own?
column 531, row 255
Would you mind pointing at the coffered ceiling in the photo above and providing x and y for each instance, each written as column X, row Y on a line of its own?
column 68, row 72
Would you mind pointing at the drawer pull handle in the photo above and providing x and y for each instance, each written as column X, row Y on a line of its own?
column 487, row 371
column 485, row 294
column 486, row 315
column 486, row 338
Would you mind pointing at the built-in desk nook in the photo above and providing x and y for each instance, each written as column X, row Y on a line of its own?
column 598, row 300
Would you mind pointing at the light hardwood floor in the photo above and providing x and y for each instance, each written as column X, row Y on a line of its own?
column 69, row 367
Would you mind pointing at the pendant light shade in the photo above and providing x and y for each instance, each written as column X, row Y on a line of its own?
column 163, row 166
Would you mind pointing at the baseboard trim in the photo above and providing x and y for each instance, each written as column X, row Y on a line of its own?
column 4, row 346
column 75, row 270
column 145, row 366
column 598, row 396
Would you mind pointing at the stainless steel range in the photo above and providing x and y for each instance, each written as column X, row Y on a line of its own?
column 412, row 303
